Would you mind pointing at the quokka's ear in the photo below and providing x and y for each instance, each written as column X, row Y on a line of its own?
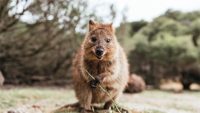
column 111, row 28
column 92, row 22
column 92, row 25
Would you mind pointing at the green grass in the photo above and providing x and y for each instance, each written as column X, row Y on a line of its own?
column 47, row 99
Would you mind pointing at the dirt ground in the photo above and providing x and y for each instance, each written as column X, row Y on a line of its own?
column 48, row 99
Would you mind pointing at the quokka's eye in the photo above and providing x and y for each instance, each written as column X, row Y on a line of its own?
column 108, row 40
column 93, row 39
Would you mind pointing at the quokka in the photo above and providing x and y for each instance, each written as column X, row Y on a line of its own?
column 101, row 57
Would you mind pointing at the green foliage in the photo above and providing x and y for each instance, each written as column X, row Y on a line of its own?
column 136, row 26
column 169, row 48
column 196, row 25
column 164, row 56
column 166, row 46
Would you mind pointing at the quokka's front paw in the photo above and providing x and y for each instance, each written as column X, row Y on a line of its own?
column 94, row 83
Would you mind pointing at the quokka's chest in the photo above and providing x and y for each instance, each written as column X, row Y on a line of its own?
column 98, row 67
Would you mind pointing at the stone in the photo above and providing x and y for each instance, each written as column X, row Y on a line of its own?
column 1, row 79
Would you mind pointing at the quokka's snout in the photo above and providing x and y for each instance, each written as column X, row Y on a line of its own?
column 99, row 52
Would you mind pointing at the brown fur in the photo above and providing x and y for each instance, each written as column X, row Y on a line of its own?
column 135, row 84
column 112, row 68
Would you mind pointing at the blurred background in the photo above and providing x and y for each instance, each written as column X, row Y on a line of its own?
column 38, row 38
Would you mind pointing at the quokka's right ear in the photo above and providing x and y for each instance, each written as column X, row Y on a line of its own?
column 92, row 25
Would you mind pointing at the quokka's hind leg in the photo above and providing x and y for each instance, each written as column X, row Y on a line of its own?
column 85, row 102
column 108, row 104
column 74, row 105
column 78, row 107
column 84, row 96
column 86, row 111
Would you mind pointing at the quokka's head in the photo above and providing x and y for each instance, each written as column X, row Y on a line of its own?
column 100, row 42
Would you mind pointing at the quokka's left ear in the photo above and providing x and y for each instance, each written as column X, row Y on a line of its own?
column 111, row 28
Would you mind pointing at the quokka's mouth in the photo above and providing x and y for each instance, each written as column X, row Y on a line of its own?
column 99, row 57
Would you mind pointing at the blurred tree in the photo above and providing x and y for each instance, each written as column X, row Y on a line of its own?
column 42, row 49
column 166, row 47
column 136, row 26
column 195, row 31
column 126, row 31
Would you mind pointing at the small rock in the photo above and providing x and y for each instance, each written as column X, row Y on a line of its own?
column 10, row 111
column 135, row 84
column 1, row 79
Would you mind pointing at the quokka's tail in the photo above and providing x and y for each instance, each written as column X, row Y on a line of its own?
column 135, row 84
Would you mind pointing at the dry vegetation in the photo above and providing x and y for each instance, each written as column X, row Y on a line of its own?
column 45, row 100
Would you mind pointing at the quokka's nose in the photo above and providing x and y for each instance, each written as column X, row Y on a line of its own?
column 99, row 51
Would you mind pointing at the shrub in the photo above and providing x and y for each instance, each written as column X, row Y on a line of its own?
column 163, row 58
